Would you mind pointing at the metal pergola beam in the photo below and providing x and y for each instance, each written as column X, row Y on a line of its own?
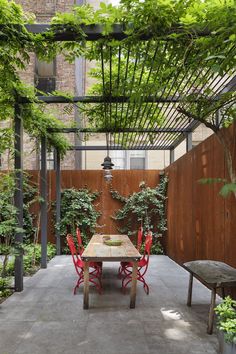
column 43, row 194
column 18, row 196
column 192, row 126
column 172, row 156
column 111, row 99
column 119, row 130
column 103, row 147
column 95, row 32
column 189, row 142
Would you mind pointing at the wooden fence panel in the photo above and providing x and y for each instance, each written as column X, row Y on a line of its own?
column 207, row 231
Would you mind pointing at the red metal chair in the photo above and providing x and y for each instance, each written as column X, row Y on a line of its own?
column 142, row 266
column 81, row 247
column 124, row 265
column 79, row 240
column 79, row 267
column 139, row 238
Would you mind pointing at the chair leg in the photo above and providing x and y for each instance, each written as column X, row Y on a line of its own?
column 139, row 278
column 124, row 284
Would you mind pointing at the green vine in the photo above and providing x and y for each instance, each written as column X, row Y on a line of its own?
column 78, row 210
column 146, row 208
column 226, row 318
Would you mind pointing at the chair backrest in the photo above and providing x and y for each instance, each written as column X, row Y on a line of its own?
column 73, row 251
column 80, row 242
column 147, row 250
column 139, row 238
column 148, row 243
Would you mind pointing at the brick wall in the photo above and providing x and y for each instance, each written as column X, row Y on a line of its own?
column 65, row 77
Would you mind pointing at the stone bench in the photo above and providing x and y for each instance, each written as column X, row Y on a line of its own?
column 213, row 274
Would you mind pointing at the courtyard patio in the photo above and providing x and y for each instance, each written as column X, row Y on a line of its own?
column 146, row 75
column 47, row 318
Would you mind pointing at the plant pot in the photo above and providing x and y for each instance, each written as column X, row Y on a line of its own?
column 225, row 347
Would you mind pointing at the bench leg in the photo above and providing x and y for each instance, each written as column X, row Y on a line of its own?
column 211, row 312
column 190, row 288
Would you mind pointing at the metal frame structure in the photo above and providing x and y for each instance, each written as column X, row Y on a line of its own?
column 164, row 137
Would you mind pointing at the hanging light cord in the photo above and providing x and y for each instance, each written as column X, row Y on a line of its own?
column 107, row 142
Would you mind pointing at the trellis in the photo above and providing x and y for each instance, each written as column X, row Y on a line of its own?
column 121, row 136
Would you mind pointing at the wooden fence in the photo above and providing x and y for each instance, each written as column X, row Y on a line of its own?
column 201, row 224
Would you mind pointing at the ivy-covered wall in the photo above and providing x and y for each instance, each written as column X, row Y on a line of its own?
column 126, row 182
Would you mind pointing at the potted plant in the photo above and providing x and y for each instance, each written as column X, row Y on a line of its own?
column 226, row 314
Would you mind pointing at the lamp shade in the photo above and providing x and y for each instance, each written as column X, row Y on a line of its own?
column 107, row 164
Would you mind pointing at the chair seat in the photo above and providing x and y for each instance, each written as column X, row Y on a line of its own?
column 126, row 264
column 80, row 264
column 95, row 264
column 141, row 263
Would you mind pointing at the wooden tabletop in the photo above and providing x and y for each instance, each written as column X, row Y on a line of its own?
column 96, row 250
column 214, row 273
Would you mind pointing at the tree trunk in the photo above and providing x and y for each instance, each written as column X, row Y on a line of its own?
column 226, row 142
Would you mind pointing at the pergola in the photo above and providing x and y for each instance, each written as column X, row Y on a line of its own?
column 135, row 133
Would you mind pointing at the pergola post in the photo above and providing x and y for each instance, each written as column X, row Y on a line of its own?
column 58, row 201
column 43, row 193
column 18, row 196
column 172, row 155
column 189, row 143
column 217, row 118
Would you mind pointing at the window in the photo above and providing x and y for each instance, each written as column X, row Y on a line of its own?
column 137, row 160
column 118, row 157
column 50, row 160
column 45, row 76
column 133, row 160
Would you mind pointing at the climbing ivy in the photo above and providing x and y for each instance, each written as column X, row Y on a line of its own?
column 78, row 210
column 146, row 208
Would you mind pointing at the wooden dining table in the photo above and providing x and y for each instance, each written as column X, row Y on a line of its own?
column 98, row 251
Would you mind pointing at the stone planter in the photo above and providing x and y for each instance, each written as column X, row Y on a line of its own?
column 224, row 347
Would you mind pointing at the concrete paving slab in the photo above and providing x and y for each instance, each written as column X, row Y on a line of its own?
column 47, row 318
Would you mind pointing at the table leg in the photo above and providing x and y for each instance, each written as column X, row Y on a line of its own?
column 190, row 288
column 86, row 285
column 211, row 312
column 133, row 285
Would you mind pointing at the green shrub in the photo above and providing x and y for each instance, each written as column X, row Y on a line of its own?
column 146, row 208
column 4, row 287
column 78, row 210
column 226, row 312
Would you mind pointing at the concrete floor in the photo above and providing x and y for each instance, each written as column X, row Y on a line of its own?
column 47, row 318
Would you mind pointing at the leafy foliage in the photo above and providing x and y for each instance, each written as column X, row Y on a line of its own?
column 147, row 208
column 32, row 256
column 8, row 216
column 226, row 312
column 16, row 45
column 4, row 287
column 227, row 188
column 31, row 263
column 189, row 48
column 78, row 210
